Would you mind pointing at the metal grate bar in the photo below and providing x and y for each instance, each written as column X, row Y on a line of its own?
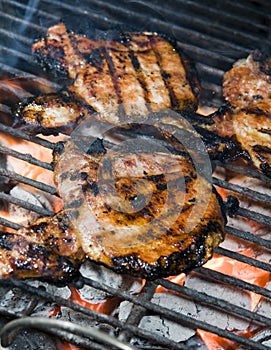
column 199, row 22
column 26, row 205
column 15, row 53
column 217, row 303
column 27, row 24
column 102, row 318
column 243, row 258
column 35, row 11
column 25, row 180
column 23, row 74
column 246, row 171
column 250, row 237
column 25, row 157
column 10, row 224
column 244, row 191
column 232, row 281
column 263, row 219
column 179, row 318
column 13, row 35
column 18, row 133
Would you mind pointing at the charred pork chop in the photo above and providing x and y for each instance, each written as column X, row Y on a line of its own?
column 120, row 76
column 148, row 214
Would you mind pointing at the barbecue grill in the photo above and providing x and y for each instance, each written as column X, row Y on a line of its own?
column 212, row 33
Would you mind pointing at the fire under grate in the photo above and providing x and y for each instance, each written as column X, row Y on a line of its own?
column 209, row 300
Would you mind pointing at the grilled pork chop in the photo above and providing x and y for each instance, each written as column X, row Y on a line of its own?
column 47, row 250
column 119, row 76
column 230, row 134
column 247, row 85
column 243, row 127
column 147, row 214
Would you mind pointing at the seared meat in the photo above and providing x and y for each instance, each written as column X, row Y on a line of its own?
column 230, row 134
column 243, row 127
column 247, row 84
column 120, row 76
column 47, row 250
column 146, row 213
column 252, row 130
column 157, row 217
column 51, row 113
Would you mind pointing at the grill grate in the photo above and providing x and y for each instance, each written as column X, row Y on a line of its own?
column 212, row 33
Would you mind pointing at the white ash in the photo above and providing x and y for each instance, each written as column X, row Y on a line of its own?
column 264, row 305
column 31, row 196
column 178, row 332
column 108, row 277
column 160, row 325
column 216, row 317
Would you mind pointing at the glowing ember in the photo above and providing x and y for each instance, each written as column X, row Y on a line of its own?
column 63, row 345
column 179, row 279
column 104, row 307
column 242, row 271
column 246, row 273
column 213, row 342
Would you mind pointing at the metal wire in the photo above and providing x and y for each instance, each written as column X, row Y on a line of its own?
column 8, row 332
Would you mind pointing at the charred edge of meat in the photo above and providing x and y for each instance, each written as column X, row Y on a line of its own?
column 61, row 96
column 191, row 75
column 50, row 61
column 232, row 205
column 97, row 147
column 151, row 132
column 266, row 169
column 36, row 261
column 197, row 119
column 220, row 148
column 223, row 206
column 185, row 261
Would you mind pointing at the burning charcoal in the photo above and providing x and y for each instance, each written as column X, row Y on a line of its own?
column 108, row 277
column 216, row 317
column 160, row 325
column 264, row 305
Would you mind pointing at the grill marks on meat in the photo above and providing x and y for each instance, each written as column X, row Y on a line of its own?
column 243, row 127
column 47, row 250
column 136, row 223
column 247, row 86
column 145, row 214
column 120, row 77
